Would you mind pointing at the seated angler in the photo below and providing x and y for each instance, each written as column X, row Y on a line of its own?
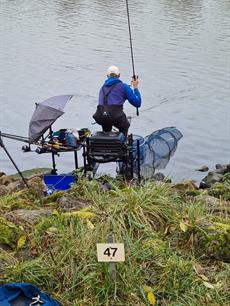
column 112, row 96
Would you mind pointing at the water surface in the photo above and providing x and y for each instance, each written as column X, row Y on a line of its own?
column 181, row 51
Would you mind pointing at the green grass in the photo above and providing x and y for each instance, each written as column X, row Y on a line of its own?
column 61, row 251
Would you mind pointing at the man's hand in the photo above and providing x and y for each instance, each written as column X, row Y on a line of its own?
column 135, row 81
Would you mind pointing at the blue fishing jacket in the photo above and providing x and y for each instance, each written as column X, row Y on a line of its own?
column 10, row 292
column 119, row 93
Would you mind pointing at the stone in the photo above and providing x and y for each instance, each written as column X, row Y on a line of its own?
column 203, row 169
column 2, row 173
column 159, row 176
column 212, row 178
column 214, row 205
column 185, row 186
column 68, row 203
column 203, row 185
column 36, row 180
column 36, row 185
column 15, row 186
column 220, row 168
column 5, row 180
column 3, row 190
column 105, row 186
column 227, row 169
column 21, row 216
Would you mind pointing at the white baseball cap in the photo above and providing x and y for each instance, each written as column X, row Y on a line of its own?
column 113, row 70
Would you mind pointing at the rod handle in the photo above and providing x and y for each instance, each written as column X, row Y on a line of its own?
column 135, row 77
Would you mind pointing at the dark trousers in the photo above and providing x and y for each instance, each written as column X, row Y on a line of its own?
column 110, row 116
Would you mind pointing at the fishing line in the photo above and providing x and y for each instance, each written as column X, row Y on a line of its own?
column 131, row 45
column 154, row 106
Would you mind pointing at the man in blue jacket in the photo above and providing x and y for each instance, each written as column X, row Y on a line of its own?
column 112, row 96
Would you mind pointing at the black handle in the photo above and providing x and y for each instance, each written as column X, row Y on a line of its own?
column 137, row 110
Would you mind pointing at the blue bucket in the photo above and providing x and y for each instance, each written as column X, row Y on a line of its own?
column 58, row 182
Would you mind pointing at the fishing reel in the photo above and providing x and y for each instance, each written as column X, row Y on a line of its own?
column 26, row 148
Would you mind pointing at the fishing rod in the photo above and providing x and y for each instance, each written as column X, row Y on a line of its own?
column 40, row 143
column 131, row 46
column 18, row 138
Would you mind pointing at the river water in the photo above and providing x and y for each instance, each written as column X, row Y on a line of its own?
column 181, row 50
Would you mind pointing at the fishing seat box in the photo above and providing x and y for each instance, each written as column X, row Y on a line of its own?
column 107, row 144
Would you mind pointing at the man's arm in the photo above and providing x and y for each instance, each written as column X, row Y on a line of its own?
column 133, row 95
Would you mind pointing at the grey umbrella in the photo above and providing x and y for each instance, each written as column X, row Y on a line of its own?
column 45, row 114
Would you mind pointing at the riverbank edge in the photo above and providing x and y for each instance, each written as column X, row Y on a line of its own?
column 178, row 234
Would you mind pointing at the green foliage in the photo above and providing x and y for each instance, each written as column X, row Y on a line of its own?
column 221, row 189
column 15, row 201
column 9, row 233
column 160, row 230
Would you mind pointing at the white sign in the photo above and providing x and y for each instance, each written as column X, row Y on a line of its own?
column 110, row 252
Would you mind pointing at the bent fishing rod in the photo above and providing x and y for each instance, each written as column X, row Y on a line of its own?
column 131, row 45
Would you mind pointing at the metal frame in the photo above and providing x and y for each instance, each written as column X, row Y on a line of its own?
column 56, row 152
column 106, row 151
column 51, row 147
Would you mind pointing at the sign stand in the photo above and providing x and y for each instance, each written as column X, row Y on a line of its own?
column 112, row 265
column 111, row 252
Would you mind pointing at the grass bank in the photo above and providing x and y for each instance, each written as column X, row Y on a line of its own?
column 176, row 244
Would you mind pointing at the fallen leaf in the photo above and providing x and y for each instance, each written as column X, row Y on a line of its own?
column 208, row 285
column 183, row 227
column 55, row 212
column 21, row 242
column 89, row 224
column 52, row 230
column 166, row 230
column 151, row 298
